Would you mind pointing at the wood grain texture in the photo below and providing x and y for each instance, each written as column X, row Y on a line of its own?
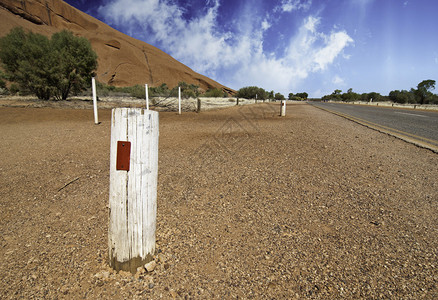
column 133, row 193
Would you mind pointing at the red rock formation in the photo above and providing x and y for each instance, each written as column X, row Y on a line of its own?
column 123, row 60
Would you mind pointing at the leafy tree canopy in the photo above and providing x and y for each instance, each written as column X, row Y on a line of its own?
column 253, row 92
column 48, row 67
column 422, row 95
column 279, row 96
column 424, row 90
column 303, row 95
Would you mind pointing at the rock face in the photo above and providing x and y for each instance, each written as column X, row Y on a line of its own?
column 123, row 60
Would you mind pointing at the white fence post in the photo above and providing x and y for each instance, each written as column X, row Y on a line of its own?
column 147, row 96
column 133, row 188
column 283, row 108
column 93, row 86
column 179, row 100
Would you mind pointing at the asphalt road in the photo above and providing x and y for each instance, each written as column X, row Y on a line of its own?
column 417, row 126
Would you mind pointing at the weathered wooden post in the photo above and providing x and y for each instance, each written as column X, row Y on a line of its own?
column 198, row 109
column 133, row 188
column 179, row 100
column 93, row 87
column 237, row 101
column 147, row 96
column 283, row 108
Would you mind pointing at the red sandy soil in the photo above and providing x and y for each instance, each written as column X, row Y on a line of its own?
column 250, row 205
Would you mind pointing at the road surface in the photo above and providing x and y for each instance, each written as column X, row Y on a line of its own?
column 416, row 126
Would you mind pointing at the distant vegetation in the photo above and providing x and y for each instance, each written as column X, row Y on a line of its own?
column 298, row 96
column 421, row 95
column 46, row 67
column 138, row 91
column 254, row 92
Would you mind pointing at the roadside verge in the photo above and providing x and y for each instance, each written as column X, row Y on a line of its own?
column 405, row 136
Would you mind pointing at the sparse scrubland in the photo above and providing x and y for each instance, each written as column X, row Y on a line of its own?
column 250, row 205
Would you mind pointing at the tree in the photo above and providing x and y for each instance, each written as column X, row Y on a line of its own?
column 46, row 67
column 76, row 62
column 290, row 96
column 278, row 96
column 303, row 95
column 375, row 97
column 25, row 59
column 271, row 95
column 350, row 96
column 336, row 94
column 424, row 89
column 250, row 92
column 402, row 96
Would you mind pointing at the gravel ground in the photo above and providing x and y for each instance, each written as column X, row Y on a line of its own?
column 250, row 205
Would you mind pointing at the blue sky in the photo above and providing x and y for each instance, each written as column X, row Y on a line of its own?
column 312, row 46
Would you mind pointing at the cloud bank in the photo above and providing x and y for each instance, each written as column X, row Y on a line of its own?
column 236, row 56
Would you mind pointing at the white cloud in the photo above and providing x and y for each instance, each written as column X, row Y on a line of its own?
column 308, row 52
column 235, row 59
column 335, row 43
column 338, row 80
column 291, row 5
column 266, row 25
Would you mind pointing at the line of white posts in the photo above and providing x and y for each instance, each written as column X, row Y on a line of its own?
column 133, row 183
column 96, row 117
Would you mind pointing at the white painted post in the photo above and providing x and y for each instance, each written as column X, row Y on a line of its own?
column 93, row 86
column 147, row 96
column 133, row 192
column 283, row 108
column 179, row 100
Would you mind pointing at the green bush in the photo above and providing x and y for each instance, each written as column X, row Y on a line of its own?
column 253, row 92
column 214, row 93
column 279, row 96
column 46, row 67
column 138, row 91
column 14, row 89
column 187, row 90
column 2, row 80
column 159, row 91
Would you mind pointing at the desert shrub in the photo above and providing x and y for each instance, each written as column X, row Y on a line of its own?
column 159, row 91
column 402, row 96
column 47, row 67
column 214, row 93
column 187, row 90
column 14, row 89
column 253, row 92
column 302, row 96
column 138, row 91
column 2, row 80
column 279, row 96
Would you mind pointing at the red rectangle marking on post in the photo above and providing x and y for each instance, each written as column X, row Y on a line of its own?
column 123, row 155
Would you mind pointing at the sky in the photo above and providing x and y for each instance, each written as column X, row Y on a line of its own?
column 289, row 46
